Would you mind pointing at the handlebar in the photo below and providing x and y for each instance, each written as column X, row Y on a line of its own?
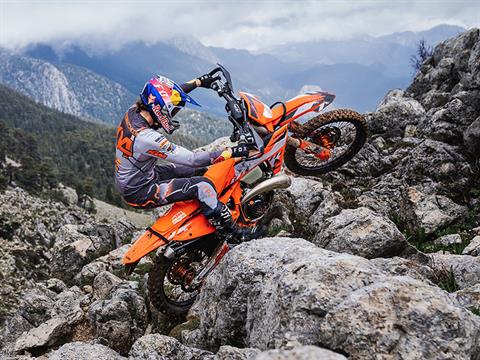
column 233, row 107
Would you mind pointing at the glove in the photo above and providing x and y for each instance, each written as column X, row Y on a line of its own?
column 226, row 154
column 207, row 80
column 239, row 151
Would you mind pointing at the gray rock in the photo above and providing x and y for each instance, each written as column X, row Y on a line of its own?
column 274, row 292
column 68, row 305
column 398, row 266
column 361, row 232
column 305, row 204
column 471, row 136
column 416, row 320
column 120, row 317
column 465, row 268
column 75, row 246
column 159, row 347
column 300, row 353
column 49, row 333
column 232, row 353
column 82, row 351
column 103, row 284
column 395, row 112
column 469, row 297
column 434, row 212
column 111, row 262
column 447, row 240
column 473, row 248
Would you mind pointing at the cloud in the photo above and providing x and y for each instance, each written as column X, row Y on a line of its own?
column 253, row 25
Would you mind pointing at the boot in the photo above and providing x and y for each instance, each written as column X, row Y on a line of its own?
column 222, row 219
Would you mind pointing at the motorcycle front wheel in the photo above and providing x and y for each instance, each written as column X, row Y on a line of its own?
column 343, row 132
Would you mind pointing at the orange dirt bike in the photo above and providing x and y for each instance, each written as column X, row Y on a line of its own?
column 186, row 245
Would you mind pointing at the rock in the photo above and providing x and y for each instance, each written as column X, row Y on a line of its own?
column 156, row 346
column 401, row 316
column 299, row 201
column 104, row 282
column 300, row 353
column 76, row 246
column 36, row 304
column 395, row 112
column 68, row 305
column 398, row 266
column 283, row 293
column 232, row 353
column 465, row 268
column 49, row 333
column 361, row 232
column 447, row 240
column 473, row 248
column 112, row 262
column 469, row 297
column 471, row 137
column 120, row 317
column 55, row 285
column 11, row 330
column 82, row 351
column 434, row 212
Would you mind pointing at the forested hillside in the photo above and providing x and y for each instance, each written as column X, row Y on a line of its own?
column 54, row 147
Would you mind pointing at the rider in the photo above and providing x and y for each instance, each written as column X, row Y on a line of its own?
column 144, row 184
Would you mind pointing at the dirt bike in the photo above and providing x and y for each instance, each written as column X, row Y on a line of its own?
column 186, row 245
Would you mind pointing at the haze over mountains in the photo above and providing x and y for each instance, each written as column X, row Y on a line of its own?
column 101, row 84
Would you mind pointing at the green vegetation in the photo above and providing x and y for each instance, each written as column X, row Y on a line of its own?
column 54, row 147
column 448, row 282
column 424, row 243
column 475, row 310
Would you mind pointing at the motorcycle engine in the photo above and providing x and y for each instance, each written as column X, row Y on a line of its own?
column 257, row 207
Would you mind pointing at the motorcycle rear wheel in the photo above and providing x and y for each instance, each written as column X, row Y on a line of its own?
column 163, row 286
column 330, row 121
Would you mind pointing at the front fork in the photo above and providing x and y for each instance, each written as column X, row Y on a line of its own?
column 323, row 153
column 217, row 255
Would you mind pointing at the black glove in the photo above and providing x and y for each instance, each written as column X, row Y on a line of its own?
column 207, row 80
column 239, row 151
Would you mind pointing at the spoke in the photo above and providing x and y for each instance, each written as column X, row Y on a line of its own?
column 347, row 137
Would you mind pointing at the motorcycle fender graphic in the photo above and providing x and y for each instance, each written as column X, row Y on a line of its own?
column 144, row 245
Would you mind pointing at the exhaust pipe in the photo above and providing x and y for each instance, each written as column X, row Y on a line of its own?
column 281, row 181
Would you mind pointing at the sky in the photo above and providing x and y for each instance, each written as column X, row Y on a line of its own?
column 252, row 25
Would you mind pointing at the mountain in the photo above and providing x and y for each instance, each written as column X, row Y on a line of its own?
column 65, row 87
column 78, row 91
column 383, row 62
column 390, row 53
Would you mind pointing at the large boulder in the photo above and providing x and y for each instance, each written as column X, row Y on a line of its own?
column 281, row 293
column 49, row 333
column 361, row 232
column 82, row 351
column 77, row 245
column 156, row 346
column 434, row 212
column 119, row 316
column 394, row 113
column 464, row 268
column 308, row 352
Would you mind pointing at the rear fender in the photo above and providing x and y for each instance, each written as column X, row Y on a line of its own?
column 144, row 245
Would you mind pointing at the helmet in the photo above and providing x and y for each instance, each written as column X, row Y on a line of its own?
column 164, row 99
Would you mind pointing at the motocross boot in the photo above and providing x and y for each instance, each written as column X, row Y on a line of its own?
column 222, row 219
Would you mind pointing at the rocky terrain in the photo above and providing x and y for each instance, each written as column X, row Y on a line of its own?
column 378, row 260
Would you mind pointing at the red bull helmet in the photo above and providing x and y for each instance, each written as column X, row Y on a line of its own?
column 164, row 99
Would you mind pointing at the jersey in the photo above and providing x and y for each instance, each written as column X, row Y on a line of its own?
column 138, row 147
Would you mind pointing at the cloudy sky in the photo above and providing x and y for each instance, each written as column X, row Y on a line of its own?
column 248, row 24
